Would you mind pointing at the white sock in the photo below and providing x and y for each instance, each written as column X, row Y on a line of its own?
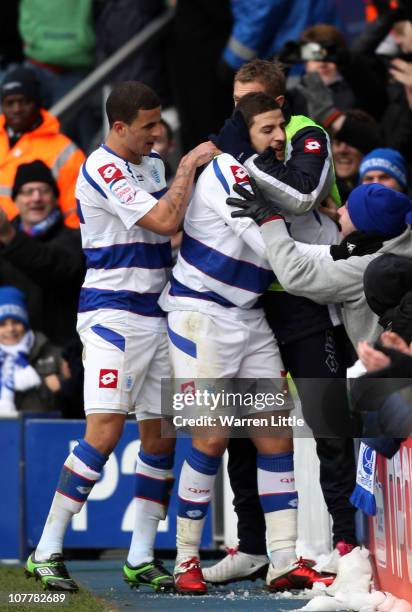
column 153, row 485
column 76, row 482
column 195, row 492
column 279, row 500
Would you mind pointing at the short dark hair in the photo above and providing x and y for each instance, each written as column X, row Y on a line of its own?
column 269, row 74
column 325, row 33
column 253, row 104
column 127, row 98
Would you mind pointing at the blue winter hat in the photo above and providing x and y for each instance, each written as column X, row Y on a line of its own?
column 13, row 305
column 378, row 209
column 388, row 160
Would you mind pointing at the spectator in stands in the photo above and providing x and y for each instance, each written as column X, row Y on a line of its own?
column 354, row 134
column 40, row 255
column 29, row 364
column 349, row 80
column 59, row 45
column 28, row 132
column 384, row 166
column 393, row 24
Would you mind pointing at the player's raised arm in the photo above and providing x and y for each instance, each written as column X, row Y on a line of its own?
column 165, row 218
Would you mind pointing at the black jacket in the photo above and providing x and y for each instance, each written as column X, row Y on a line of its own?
column 45, row 359
column 49, row 269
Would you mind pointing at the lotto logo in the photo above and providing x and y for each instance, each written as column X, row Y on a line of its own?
column 108, row 379
column 312, row 146
column 240, row 175
column 188, row 387
column 110, row 172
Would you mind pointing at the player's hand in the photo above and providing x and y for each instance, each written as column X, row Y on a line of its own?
column 234, row 138
column 357, row 244
column 253, row 205
column 202, row 154
column 7, row 231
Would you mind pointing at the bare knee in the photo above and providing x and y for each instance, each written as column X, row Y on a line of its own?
column 103, row 431
column 158, row 446
column 151, row 438
column 215, row 447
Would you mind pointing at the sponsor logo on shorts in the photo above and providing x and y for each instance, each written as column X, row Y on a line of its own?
column 110, row 172
column 108, row 379
column 239, row 174
column 312, row 146
column 188, row 387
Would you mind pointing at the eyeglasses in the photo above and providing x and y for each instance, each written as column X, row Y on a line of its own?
column 29, row 191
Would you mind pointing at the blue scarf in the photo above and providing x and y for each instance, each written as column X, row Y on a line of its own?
column 363, row 496
column 16, row 374
column 43, row 226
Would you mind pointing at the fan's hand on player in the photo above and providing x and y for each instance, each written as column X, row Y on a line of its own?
column 253, row 204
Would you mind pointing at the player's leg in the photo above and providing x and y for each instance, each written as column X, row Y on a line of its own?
column 106, row 408
column 196, row 483
column 275, row 469
column 197, row 351
column 154, row 475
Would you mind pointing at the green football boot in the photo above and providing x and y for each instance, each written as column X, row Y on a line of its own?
column 52, row 573
column 152, row 574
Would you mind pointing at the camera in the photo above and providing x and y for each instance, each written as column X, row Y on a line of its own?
column 296, row 52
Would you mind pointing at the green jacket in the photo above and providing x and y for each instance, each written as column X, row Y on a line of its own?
column 58, row 32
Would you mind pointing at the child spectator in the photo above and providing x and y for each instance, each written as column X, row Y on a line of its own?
column 29, row 364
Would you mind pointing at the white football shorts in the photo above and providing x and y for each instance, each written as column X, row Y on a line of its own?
column 210, row 348
column 122, row 373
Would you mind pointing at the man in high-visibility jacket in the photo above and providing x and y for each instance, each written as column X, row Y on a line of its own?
column 28, row 132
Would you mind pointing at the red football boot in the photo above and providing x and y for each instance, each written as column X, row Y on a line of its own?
column 298, row 575
column 189, row 578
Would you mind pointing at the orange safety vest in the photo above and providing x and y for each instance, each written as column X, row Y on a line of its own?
column 57, row 151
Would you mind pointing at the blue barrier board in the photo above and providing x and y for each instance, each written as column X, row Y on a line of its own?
column 106, row 521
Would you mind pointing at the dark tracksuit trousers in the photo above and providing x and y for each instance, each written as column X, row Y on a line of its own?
column 322, row 355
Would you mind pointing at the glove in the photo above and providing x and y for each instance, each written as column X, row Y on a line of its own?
column 233, row 138
column 319, row 98
column 357, row 244
column 253, row 205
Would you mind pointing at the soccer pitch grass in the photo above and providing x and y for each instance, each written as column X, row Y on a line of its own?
column 13, row 580
column 102, row 589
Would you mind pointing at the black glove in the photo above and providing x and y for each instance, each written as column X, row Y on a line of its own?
column 234, row 138
column 357, row 243
column 253, row 205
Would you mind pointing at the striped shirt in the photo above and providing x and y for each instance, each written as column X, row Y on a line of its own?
column 127, row 265
column 221, row 266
